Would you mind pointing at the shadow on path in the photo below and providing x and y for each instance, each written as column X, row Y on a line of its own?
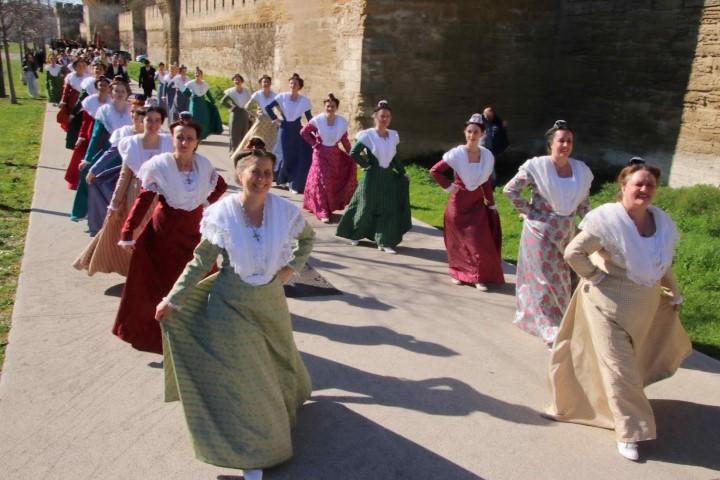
column 688, row 434
column 368, row 335
column 333, row 442
column 434, row 396
column 702, row 363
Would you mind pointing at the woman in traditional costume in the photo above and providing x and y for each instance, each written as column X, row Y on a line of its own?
column 229, row 355
column 170, row 91
column 471, row 223
column 296, row 154
column 109, row 117
column 161, row 77
column 185, row 183
column 621, row 331
column 380, row 207
column 29, row 74
column 332, row 178
column 53, row 79
column 235, row 99
column 202, row 105
column 68, row 101
column 263, row 127
column 87, row 109
column 182, row 101
column 103, row 254
column 560, row 187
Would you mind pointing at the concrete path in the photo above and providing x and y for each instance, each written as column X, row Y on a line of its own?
column 414, row 378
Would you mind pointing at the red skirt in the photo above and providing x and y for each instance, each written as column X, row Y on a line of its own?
column 473, row 239
column 331, row 181
column 72, row 173
column 162, row 250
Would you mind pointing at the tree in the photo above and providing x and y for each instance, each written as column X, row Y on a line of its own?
column 20, row 21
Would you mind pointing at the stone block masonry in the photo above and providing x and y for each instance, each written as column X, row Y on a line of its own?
column 633, row 78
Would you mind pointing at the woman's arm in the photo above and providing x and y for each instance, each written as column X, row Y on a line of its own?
column 584, row 207
column 309, row 133
column 577, row 255
column 269, row 109
column 220, row 188
column 345, row 142
column 670, row 282
column 437, row 173
column 513, row 191
column 227, row 102
column 308, row 115
column 121, row 188
column 136, row 216
column 357, row 154
column 302, row 250
column 489, row 194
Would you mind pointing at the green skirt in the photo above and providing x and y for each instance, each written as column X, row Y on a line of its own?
column 379, row 209
column 230, row 358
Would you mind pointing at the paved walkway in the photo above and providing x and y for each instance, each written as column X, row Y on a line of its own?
column 414, row 378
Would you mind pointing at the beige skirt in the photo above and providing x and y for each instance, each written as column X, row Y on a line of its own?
column 615, row 339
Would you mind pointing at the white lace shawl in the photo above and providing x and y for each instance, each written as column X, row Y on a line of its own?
column 111, row 119
column 472, row 174
column 645, row 262
column 384, row 149
column 121, row 133
column 53, row 70
column 75, row 81
column 92, row 103
column 198, row 89
column 292, row 110
column 161, row 175
column 88, row 84
column 239, row 98
column 256, row 262
column 330, row 135
column 179, row 82
column 133, row 154
column 563, row 194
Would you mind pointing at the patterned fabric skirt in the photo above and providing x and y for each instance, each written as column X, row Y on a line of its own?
column 472, row 238
column 230, row 358
column 331, row 181
column 379, row 209
column 103, row 254
column 615, row 339
column 263, row 128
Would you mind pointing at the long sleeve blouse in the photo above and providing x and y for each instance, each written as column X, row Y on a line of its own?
column 537, row 207
column 438, row 173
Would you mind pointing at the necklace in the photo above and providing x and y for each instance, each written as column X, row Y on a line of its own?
column 255, row 230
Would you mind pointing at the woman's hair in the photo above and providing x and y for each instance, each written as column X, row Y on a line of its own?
column 332, row 98
column 557, row 126
column 241, row 159
column 161, row 64
column 382, row 105
column 79, row 60
column 194, row 125
column 158, row 109
column 635, row 164
column 264, row 77
column 237, row 75
column 296, row 77
column 117, row 82
column 256, row 142
column 138, row 110
column 102, row 78
column 199, row 70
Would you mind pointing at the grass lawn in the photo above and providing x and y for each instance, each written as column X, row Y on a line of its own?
column 695, row 210
column 22, row 128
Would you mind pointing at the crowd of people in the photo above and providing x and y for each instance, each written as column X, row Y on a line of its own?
column 157, row 215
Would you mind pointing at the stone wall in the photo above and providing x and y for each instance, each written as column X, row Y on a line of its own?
column 641, row 78
column 101, row 18
column 125, row 30
column 69, row 17
column 156, row 36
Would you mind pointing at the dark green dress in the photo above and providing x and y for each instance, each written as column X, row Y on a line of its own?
column 380, row 207
column 205, row 113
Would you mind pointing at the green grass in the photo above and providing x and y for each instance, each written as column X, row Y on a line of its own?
column 695, row 210
column 21, row 125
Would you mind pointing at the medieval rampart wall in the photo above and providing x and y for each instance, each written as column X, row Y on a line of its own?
column 156, row 37
column 125, row 30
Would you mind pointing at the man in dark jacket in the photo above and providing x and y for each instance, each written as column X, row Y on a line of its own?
column 147, row 78
column 495, row 138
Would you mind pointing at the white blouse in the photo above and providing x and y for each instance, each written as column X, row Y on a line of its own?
column 53, row 70
column 92, row 103
column 383, row 148
column 179, row 82
column 473, row 175
column 88, row 85
column 134, row 155
column 111, row 119
column 196, row 88
column 255, row 254
column 240, row 98
column 330, row 134
column 563, row 194
column 75, row 81
column 292, row 109
column 181, row 190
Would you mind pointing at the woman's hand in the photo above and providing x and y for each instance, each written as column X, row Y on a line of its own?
column 82, row 165
column 277, row 122
column 128, row 248
column 286, row 273
column 89, row 178
column 162, row 310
